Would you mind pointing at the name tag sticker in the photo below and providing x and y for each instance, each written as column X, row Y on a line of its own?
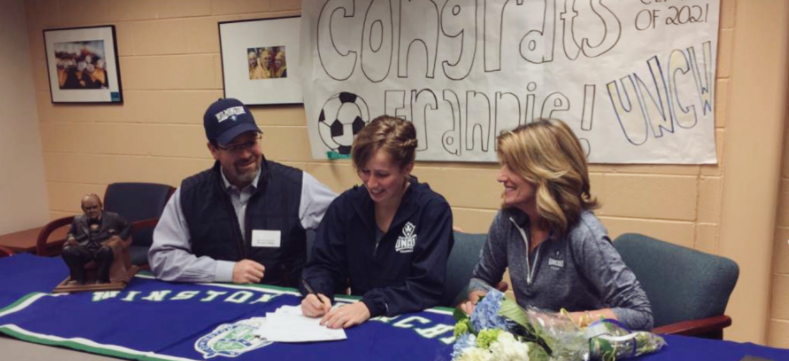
column 262, row 238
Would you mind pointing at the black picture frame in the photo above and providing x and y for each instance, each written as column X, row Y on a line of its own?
column 82, row 65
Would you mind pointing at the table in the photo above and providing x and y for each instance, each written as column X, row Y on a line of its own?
column 14, row 349
column 154, row 320
column 186, row 313
column 25, row 241
column 43, row 271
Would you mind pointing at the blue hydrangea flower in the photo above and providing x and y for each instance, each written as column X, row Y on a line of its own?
column 486, row 313
column 463, row 342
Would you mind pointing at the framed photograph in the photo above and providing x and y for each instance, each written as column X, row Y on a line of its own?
column 255, row 58
column 83, row 65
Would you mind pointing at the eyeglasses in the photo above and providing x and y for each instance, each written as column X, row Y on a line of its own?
column 240, row 147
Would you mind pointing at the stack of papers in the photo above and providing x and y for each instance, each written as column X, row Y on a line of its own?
column 288, row 324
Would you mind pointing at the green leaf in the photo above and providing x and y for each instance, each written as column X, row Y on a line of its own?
column 459, row 315
column 511, row 310
column 537, row 353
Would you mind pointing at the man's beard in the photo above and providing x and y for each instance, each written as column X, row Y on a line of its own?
column 248, row 176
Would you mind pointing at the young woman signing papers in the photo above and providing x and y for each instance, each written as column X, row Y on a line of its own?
column 389, row 239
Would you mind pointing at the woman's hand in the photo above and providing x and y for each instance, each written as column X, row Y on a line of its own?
column 312, row 306
column 473, row 298
column 346, row 316
column 585, row 318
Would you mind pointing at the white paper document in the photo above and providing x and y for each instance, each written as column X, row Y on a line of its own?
column 289, row 310
column 288, row 324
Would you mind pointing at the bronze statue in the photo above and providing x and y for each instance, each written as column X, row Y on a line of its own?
column 97, row 236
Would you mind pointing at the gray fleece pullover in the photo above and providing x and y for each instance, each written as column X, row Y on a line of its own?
column 580, row 271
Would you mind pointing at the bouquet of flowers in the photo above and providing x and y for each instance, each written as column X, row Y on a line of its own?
column 499, row 329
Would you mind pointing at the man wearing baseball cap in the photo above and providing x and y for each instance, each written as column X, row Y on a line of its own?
column 243, row 220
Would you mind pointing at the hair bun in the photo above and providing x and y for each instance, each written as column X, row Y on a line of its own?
column 411, row 143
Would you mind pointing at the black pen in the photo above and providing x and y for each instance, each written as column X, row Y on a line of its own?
column 309, row 288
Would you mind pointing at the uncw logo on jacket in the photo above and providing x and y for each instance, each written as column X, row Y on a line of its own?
column 406, row 242
column 232, row 339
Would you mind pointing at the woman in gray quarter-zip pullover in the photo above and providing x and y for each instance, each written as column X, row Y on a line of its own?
column 558, row 252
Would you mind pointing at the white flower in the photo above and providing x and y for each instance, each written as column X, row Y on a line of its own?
column 507, row 348
column 475, row 354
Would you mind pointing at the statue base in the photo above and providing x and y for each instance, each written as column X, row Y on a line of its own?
column 91, row 285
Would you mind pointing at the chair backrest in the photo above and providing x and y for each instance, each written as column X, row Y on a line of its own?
column 6, row 252
column 137, row 202
column 682, row 284
column 462, row 260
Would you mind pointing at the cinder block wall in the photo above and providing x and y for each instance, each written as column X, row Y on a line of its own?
column 170, row 68
column 23, row 199
column 778, row 331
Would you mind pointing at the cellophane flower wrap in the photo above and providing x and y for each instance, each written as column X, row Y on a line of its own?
column 499, row 329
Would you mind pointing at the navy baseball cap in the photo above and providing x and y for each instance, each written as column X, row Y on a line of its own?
column 226, row 119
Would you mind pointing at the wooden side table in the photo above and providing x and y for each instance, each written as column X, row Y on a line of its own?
column 25, row 241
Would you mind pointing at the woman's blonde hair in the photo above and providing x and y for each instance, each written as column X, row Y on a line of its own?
column 394, row 135
column 547, row 154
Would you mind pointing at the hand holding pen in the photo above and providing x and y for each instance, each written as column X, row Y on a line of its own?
column 315, row 304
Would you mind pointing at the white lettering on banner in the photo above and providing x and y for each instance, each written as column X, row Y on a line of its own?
column 185, row 295
column 101, row 296
column 262, row 299
column 157, row 296
column 130, row 296
column 433, row 331
column 212, row 295
column 633, row 79
column 239, row 297
column 408, row 322
column 422, row 326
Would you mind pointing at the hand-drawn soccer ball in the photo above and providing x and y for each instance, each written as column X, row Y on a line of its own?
column 341, row 118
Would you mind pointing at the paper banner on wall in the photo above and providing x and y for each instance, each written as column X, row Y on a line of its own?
column 634, row 79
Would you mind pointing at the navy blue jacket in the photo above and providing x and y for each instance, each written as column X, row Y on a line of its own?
column 405, row 272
